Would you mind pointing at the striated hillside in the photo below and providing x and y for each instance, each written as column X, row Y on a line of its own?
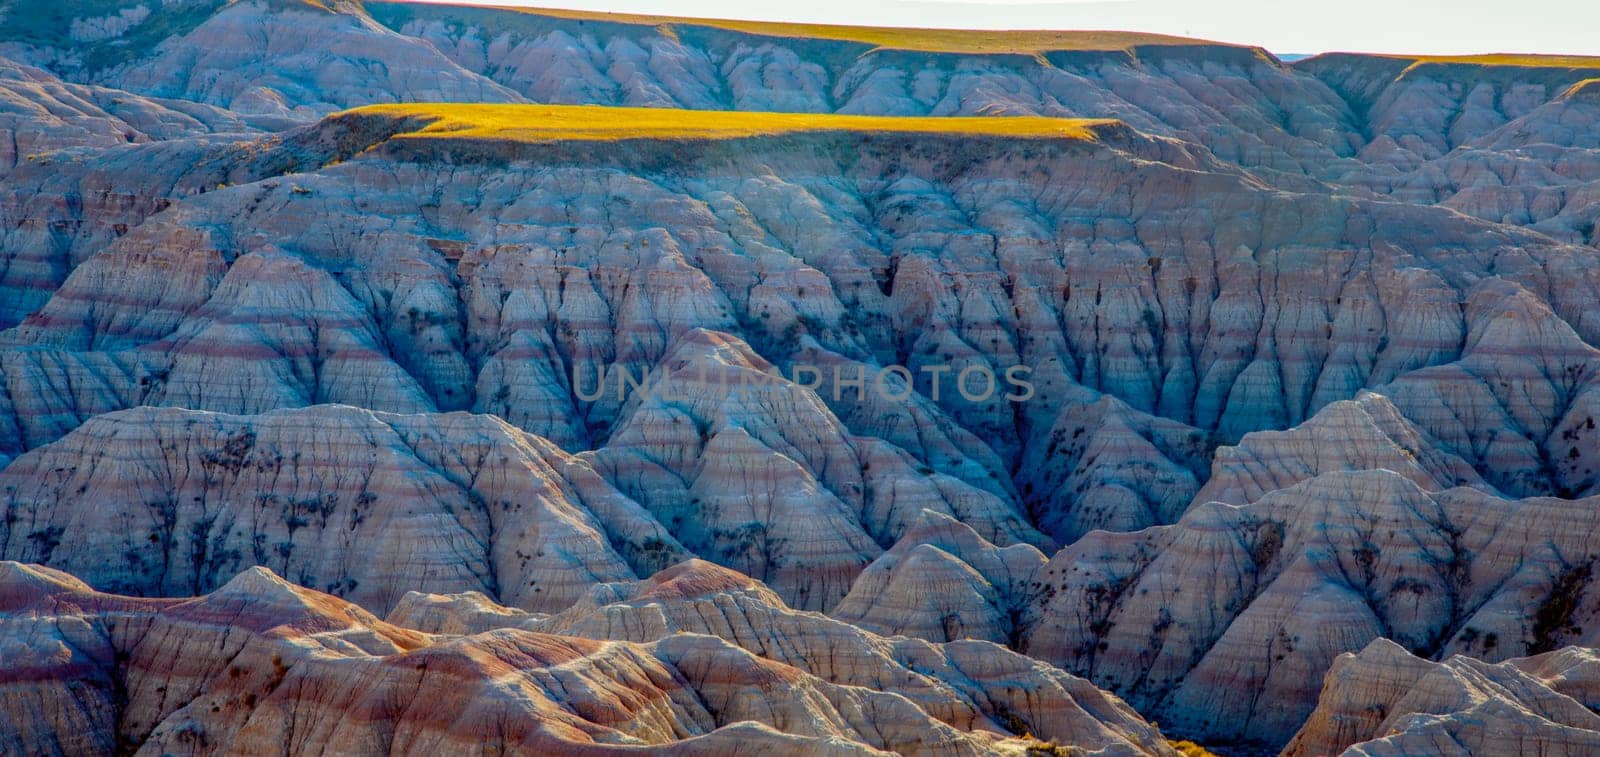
column 534, row 332
column 263, row 664
column 1385, row 701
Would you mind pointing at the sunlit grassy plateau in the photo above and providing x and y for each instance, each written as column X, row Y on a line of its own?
column 1506, row 59
column 554, row 123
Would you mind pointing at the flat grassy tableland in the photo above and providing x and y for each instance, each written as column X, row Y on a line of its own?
column 553, row 123
column 1506, row 59
column 1023, row 42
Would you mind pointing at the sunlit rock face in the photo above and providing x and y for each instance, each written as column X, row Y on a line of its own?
column 1307, row 458
column 260, row 663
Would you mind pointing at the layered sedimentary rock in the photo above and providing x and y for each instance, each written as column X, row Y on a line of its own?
column 496, row 293
column 1422, row 107
column 164, row 501
column 1497, row 137
column 304, row 59
column 85, row 165
column 43, row 113
column 1311, row 348
column 369, row 309
column 1518, row 401
column 385, row 304
column 365, row 505
column 272, row 57
column 1427, row 130
column 942, row 582
column 756, row 473
column 1260, row 599
column 1142, row 79
column 261, row 663
column 59, row 201
column 967, row 685
column 466, row 612
column 1103, row 465
column 1366, row 433
column 1383, row 701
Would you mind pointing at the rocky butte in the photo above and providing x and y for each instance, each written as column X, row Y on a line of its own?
column 292, row 457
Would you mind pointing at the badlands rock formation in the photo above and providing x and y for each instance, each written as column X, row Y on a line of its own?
column 969, row 685
column 361, row 504
column 1365, row 433
column 942, row 581
column 400, row 302
column 1383, row 701
column 286, row 58
column 1261, row 598
column 262, row 664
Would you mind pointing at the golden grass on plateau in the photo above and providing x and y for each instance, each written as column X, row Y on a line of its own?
column 1021, row 42
column 1505, row 59
column 554, row 123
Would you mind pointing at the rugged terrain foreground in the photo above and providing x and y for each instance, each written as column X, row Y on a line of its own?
column 319, row 312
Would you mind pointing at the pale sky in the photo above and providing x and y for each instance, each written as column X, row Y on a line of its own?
column 1570, row 27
